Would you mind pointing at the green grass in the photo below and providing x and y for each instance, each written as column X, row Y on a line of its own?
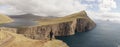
column 71, row 17
column 5, row 19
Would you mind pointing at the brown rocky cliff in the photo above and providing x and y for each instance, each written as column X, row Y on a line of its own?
column 42, row 32
column 79, row 22
column 84, row 24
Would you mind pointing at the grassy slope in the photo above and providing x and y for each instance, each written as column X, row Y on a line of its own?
column 5, row 19
column 71, row 17
column 2, row 36
column 21, row 41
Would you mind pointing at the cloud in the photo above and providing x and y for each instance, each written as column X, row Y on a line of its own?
column 111, row 16
column 91, row 0
column 60, row 8
column 107, row 5
column 4, row 9
column 47, row 7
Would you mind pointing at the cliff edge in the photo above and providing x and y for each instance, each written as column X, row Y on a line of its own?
column 63, row 26
column 8, row 39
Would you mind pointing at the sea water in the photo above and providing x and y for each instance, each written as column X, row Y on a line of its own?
column 106, row 34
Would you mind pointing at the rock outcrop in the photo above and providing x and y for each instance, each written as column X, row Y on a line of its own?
column 63, row 26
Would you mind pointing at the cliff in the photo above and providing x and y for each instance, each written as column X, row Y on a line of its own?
column 9, row 39
column 63, row 26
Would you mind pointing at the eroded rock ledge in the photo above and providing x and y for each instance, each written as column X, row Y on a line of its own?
column 64, row 26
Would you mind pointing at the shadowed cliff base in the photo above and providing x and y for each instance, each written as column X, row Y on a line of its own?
column 63, row 26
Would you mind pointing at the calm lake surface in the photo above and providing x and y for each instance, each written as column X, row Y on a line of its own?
column 18, row 22
column 106, row 34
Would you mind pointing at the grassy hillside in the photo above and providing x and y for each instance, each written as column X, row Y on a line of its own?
column 70, row 17
column 5, row 19
column 2, row 36
column 21, row 41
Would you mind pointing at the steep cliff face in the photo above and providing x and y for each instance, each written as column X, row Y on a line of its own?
column 85, row 23
column 81, row 25
column 42, row 32
column 63, row 26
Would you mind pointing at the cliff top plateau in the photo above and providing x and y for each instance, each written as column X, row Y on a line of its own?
column 71, row 17
column 9, row 39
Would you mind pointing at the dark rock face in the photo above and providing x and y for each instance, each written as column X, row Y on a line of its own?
column 64, row 29
column 81, row 25
column 42, row 32
column 59, row 29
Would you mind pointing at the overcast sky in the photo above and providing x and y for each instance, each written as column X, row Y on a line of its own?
column 97, row 9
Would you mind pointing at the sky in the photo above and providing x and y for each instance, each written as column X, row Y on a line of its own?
column 96, row 9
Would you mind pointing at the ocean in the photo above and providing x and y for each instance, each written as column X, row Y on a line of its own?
column 105, row 34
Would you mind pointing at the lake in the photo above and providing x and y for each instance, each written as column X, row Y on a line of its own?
column 20, row 22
